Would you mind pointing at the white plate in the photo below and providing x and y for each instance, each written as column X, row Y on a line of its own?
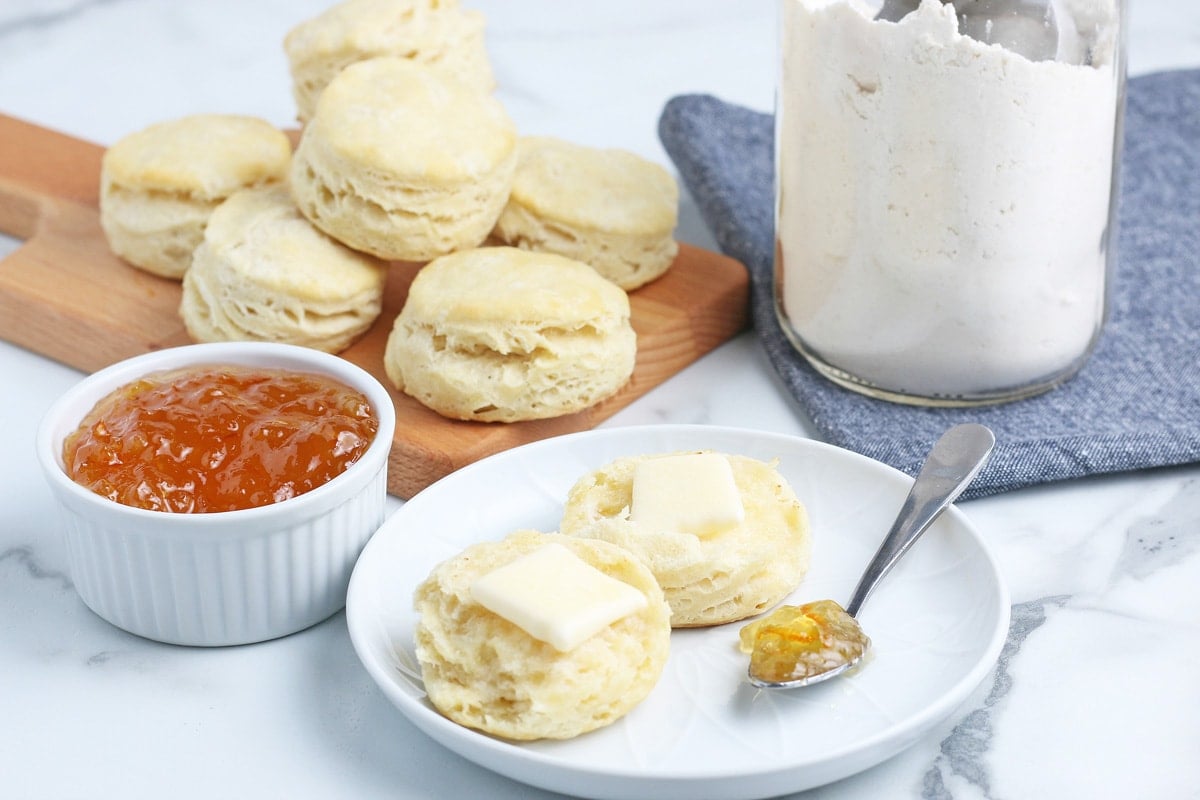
column 937, row 622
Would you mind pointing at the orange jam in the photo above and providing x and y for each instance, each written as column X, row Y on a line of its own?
column 219, row 438
column 796, row 642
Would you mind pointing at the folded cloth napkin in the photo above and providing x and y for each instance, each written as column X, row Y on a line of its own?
column 1136, row 404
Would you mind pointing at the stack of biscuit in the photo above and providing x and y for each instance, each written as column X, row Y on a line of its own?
column 404, row 156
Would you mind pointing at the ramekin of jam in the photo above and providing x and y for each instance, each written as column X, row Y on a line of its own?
column 218, row 494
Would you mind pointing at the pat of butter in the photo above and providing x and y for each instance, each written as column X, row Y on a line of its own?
column 692, row 493
column 556, row 597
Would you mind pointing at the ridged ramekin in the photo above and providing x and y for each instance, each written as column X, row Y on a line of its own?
column 230, row 577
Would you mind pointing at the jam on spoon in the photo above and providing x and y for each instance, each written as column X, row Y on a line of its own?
column 797, row 646
column 800, row 642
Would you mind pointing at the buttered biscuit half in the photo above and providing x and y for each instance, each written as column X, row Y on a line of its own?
column 724, row 535
column 540, row 636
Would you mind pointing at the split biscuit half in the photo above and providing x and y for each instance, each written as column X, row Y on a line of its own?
column 707, row 580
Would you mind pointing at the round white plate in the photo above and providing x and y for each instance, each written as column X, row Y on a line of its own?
column 937, row 621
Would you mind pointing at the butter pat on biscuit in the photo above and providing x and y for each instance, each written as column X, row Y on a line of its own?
column 690, row 493
column 556, row 597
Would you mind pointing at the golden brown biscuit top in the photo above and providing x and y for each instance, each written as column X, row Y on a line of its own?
column 208, row 155
column 596, row 189
column 405, row 120
column 263, row 233
column 374, row 27
column 506, row 285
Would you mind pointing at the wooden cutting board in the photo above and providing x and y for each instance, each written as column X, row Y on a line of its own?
column 65, row 295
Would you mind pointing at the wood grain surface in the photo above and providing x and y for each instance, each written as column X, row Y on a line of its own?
column 65, row 295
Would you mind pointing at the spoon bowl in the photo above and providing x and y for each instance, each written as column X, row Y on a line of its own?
column 955, row 460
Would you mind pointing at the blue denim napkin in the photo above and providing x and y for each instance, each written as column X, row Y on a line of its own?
column 1136, row 404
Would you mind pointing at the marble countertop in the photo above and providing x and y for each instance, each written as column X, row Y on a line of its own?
column 1094, row 696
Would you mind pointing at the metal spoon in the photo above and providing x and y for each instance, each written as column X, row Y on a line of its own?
column 951, row 465
column 1027, row 27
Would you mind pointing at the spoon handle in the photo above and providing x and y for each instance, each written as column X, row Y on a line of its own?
column 949, row 468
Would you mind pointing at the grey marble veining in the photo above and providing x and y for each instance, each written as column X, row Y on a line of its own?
column 25, row 558
column 964, row 753
column 1165, row 539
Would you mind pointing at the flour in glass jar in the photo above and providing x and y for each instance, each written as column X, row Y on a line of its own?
column 943, row 215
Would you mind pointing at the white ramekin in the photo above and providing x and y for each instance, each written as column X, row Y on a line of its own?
column 232, row 577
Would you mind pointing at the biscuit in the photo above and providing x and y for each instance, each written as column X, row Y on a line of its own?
column 484, row 672
column 608, row 208
column 434, row 33
column 402, row 163
column 264, row 273
column 159, row 185
column 500, row 335
column 707, row 581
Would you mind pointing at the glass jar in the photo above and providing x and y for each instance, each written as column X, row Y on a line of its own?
column 946, row 192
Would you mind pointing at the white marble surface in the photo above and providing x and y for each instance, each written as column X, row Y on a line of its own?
column 1096, row 695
